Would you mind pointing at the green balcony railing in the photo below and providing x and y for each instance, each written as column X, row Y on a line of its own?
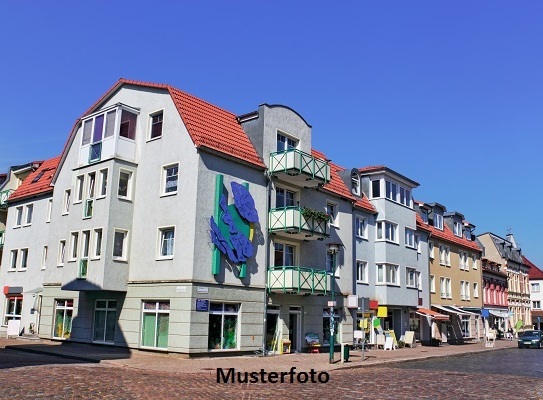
column 298, row 280
column 2, row 235
column 292, row 221
column 4, row 195
column 296, row 162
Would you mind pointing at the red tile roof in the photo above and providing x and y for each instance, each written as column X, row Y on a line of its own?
column 29, row 188
column 209, row 126
column 372, row 168
column 535, row 272
column 337, row 186
column 447, row 235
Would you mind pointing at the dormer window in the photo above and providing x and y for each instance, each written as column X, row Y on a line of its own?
column 284, row 142
column 457, row 229
column 355, row 184
column 424, row 215
column 438, row 221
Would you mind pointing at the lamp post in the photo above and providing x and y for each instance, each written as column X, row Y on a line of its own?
column 333, row 249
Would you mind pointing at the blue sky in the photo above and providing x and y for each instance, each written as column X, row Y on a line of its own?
column 447, row 93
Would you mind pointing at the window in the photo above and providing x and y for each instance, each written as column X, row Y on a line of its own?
column 66, row 204
column 156, row 125
column 285, row 255
column 74, row 239
column 405, row 196
column 13, row 259
column 331, row 210
column 355, row 184
column 444, row 255
column 432, row 284
column 474, row 261
column 49, row 210
column 97, row 244
column 417, row 243
column 285, row 143
column 61, row 252
column 44, row 257
column 284, row 198
column 375, row 188
column 29, row 213
column 103, row 183
column 409, row 237
column 391, row 190
column 411, row 277
column 443, row 288
column 465, row 323
column 536, row 305
column 361, row 227
column 388, row 274
column 14, row 307
column 457, row 228
column 125, row 178
column 170, row 174
column 431, row 249
column 62, row 327
column 24, row 258
column 362, row 271
column 223, row 326
column 475, row 290
column 463, row 260
column 387, row 231
column 535, row 287
column 91, row 184
column 79, row 188
column 18, row 216
column 447, row 255
column 155, row 324
column 424, row 215
column 119, row 244
column 438, row 221
column 166, row 242
column 84, row 261
column 105, row 317
column 127, row 128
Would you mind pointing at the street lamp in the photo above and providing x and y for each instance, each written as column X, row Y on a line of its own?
column 333, row 249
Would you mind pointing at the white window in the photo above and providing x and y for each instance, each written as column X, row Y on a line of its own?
column 155, row 324
column 284, row 255
column 66, row 203
column 49, row 210
column 79, row 189
column 361, row 227
column 74, row 239
column 355, row 184
column 103, row 183
column 84, row 261
column 443, row 288
column 418, row 243
column 18, row 217
column 424, row 215
column 61, row 252
column 169, row 179
column 362, row 271
column 474, row 261
column 14, row 307
column 13, row 259
column 166, row 244
column 391, row 190
column 376, row 189
column 432, row 284
column 64, row 310
column 447, row 255
column 411, row 277
column 388, row 274
column 463, row 260
column 462, row 291
column 44, row 257
column 475, row 290
column 331, row 210
column 409, row 237
column 465, row 326
column 438, row 221
column 441, row 254
column 457, row 227
column 156, row 120
column 405, row 196
column 120, row 244
column 97, row 243
column 284, row 142
column 534, row 287
column 536, row 305
column 29, row 214
column 89, row 202
column 284, row 198
column 387, row 231
column 125, row 184
column 431, row 249
column 449, row 288
column 24, row 259
column 467, row 290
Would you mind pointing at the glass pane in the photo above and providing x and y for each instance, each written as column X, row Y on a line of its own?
column 231, row 308
column 99, row 325
column 59, row 323
column 149, row 305
column 162, row 330
column 123, row 183
column 230, row 331
column 271, row 328
column 148, row 330
column 164, row 305
column 156, row 126
column 128, row 125
column 87, row 129
column 98, row 127
column 110, row 124
column 118, row 244
column 214, row 335
column 111, row 318
column 101, row 304
column 215, row 307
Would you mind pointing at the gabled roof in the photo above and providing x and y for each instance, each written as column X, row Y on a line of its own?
column 209, row 126
column 337, row 186
column 447, row 235
column 38, row 182
column 534, row 272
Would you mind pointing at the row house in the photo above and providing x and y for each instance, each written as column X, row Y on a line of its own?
column 535, row 276
column 455, row 274
column 505, row 252
column 494, row 289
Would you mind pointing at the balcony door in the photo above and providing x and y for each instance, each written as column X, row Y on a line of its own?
column 295, row 328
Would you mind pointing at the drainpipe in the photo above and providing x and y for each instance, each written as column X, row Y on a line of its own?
column 267, row 262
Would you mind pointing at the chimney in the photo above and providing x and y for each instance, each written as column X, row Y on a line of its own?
column 511, row 239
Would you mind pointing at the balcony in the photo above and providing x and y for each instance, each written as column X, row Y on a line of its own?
column 292, row 223
column 299, row 168
column 298, row 280
column 2, row 235
column 4, row 195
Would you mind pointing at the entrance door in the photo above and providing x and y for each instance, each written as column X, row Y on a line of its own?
column 295, row 330
column 105, row 317
column 272, row 330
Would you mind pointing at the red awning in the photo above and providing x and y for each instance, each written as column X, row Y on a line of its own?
column 433, row 314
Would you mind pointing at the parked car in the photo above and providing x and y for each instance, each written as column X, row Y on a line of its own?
column 530, row 338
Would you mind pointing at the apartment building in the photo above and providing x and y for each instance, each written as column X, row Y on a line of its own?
column 535, row 276
column 495, row 311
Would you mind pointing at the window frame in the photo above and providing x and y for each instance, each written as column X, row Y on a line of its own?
column 536, row 304
column 74, row 246
column 49, row 210
column 361, row 233
column 411, row 280
column 438, row 221
column 457, row 229
column 334, row 214
column 19, row 212
column 66, row 201
column 475, row 290
column 395, row 272
column 29, row 214
column 129, row 184
column 152, row 115
column 286, row 143
column 432, row 283
column 164, row 179
column 23, row 266
column 97, row 233
column 295, row 252
column 409, row 240
column 224, row 313
column 362, row 272
column 18, row 306
column 431, row 249
column 61, row 256
column 79, row 189
column 283, row 189
column 13, row 257
column 532, row 285
column 44, row 253
column 160, row 237
column 384, row 231
column 103, row 177
column 124, row 255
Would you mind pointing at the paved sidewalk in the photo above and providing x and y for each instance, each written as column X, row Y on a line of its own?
column 176, row 363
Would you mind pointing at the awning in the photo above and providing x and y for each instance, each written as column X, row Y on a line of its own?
column 501, row 314
column 465, row 312
column 432, row 314
column 449, row 310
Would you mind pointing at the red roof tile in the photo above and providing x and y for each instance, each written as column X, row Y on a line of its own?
column 447, row 235
column 337, row 186
column 535, row 272
column 372, row 168
column 43, row 185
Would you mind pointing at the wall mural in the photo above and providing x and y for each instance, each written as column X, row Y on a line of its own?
column 232, row 226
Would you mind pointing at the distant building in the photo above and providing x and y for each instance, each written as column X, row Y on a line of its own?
column 536, row 294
